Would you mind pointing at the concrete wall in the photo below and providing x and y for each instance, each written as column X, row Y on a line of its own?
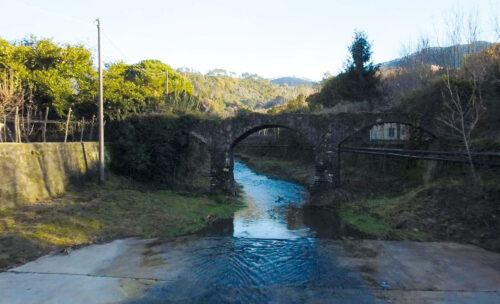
column 29, row 172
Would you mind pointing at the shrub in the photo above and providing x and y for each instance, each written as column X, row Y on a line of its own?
column 149, row 148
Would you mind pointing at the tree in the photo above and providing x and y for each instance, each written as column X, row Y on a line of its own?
column 462, row 96
column 122, row 97
column 361, row 53
column 359, row 81
column 57, row 76
column 463, row 107
column 11, row 94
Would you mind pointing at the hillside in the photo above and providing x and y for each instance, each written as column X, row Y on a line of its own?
column 450, row 56
column 226, row 94
column 292, row 81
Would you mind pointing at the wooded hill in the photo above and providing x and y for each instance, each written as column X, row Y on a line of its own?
column 292, row 81
column 227, row 93
column 450, row 56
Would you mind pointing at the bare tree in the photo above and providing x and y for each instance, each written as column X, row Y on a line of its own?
column 463, row 107
column 462, row 112
column 11, row 94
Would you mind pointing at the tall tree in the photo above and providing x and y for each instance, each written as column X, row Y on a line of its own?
column 359, row 81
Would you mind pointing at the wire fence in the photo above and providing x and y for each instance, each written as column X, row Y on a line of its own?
column 36, row 127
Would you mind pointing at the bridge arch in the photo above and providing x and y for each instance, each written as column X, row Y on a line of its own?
column 222, row 157
column 327, row 152
column 324, row 132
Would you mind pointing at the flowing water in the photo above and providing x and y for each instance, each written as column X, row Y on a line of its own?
column 271, row 256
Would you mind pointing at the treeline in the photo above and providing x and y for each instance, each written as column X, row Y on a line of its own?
column 228, row 93
column 41, row 74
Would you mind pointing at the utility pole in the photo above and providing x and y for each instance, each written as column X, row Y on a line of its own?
column 101, row 114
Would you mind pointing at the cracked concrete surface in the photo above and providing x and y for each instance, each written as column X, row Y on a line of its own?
column 123, row 270
column 83, row 276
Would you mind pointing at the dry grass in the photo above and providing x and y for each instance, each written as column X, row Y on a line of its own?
column 91, row 214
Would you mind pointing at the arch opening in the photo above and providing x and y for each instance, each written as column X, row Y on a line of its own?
column 268, row 148
column 378, row 156
column 388, row 131
column 254, row 130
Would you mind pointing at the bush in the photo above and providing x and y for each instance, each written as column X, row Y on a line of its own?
column 149, row 148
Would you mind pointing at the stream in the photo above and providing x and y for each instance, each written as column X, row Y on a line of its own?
column 271, row 256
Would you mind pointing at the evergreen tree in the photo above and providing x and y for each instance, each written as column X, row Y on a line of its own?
column 358, row 82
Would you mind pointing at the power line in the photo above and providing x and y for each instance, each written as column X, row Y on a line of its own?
column 114, row 45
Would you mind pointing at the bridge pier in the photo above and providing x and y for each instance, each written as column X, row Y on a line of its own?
column 327, row 163
column 327, row 176
column 221, row 172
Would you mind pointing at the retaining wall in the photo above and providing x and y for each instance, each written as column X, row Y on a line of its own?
column 30, row 172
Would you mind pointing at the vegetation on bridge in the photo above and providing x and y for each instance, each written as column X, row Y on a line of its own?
column 157, row 149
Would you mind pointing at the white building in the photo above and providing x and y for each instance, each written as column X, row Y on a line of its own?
column 390, row 131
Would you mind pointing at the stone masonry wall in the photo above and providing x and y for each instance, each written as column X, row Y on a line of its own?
column 30, row 172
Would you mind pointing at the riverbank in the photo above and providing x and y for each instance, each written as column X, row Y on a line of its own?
column 388, row 209
column 91, row 213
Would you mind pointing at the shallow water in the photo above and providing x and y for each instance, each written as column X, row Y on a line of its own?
column 272, row 256
column 269, row 199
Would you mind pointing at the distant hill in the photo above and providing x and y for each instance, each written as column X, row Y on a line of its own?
column 225, row 94
column 292, row 81
column 443, row 56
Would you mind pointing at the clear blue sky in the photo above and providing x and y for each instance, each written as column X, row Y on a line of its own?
column 269, row 37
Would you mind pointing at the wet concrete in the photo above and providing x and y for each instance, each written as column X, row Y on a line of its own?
column 271, row 253
column 212, row 269
column 83, row 276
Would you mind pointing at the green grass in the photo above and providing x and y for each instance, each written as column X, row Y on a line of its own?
column 376, row 216
column 92, row 213
column 365, row 223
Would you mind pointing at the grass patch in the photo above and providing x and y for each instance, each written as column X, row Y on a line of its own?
column 92, row 213
column 365, row 223
column 384, row 217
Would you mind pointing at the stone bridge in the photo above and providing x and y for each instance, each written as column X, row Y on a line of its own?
column 323, row 132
